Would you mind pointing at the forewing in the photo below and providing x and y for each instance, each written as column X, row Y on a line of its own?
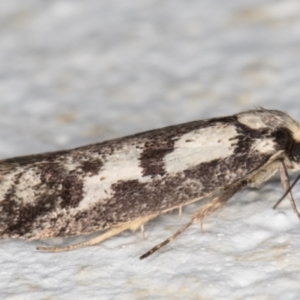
column 102, row 185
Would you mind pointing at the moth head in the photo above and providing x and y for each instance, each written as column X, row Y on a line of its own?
column 295, row 152
column 288, row 139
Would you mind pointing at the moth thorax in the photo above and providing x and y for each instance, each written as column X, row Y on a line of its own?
column 295, row 152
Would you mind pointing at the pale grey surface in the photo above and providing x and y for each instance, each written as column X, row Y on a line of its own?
column 76, row 72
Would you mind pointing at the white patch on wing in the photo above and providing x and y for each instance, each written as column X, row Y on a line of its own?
column 122, row 165
column 200, row 146
column 252, row 121
column 70, row 164
column 264, row 145
column 24, row 190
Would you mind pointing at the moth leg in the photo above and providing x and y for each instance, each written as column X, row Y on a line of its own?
column 180, row 211
column 204, row 212
column 133, row 225
column 286, row 186
column 143, row 231
column 201, row 226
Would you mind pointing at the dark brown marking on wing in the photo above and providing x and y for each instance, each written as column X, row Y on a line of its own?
column 91, row 167
column 151, row 159
column 284, row 139
column 63, row 186
column 58, row 190
column 24, row 216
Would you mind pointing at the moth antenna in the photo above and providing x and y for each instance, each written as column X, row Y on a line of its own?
column 90, row 242
column 204, row 212
column 168, row 240
column 287, row 192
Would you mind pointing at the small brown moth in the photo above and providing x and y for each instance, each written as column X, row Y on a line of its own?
column 121, row 184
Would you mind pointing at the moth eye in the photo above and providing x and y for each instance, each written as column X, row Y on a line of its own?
column 295, row 153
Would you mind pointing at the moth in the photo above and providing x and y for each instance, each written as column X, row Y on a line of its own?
column 123, row 183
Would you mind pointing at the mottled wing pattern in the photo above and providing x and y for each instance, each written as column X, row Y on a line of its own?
column 99, row 186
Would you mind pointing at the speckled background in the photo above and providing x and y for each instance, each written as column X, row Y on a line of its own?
column 77, row 72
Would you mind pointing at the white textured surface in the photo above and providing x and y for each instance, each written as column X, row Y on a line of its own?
column 76, row 72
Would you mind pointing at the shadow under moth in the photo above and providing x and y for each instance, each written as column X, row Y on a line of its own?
column 123, row 183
